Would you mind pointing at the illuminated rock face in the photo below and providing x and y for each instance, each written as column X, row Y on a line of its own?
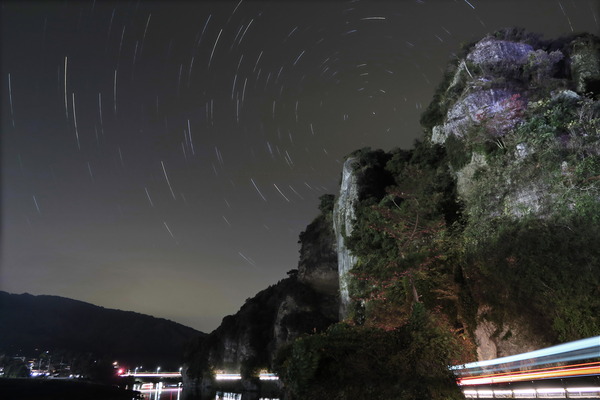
column 463, row 115
column 499, row 54
column 494, row 341
column 343, row 217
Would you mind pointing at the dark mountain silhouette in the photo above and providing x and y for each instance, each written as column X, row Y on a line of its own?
column 31, row 324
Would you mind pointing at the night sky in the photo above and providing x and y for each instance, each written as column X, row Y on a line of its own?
column 163, row 157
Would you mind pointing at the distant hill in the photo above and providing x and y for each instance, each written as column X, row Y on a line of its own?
column 32, row 324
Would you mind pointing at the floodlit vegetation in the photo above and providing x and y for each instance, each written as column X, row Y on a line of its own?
column 515, row 242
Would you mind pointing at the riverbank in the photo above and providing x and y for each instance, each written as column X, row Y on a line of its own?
column 59, row 389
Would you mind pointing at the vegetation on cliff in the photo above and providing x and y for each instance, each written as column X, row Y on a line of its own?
column 492, row 220
column 493, row 217
column 517, row 237
column 362, row 362
column 248, row 339
column 305, row 302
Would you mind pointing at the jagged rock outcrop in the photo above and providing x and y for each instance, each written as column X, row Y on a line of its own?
column 343, row 219
column 499, row 54
column 251, row 338
column 466, row 113
column 495, row 341
column 364, row 177
column 487, row 95
column 318, row 265
column 516, row 127
column 512, row 142
column 305, row 302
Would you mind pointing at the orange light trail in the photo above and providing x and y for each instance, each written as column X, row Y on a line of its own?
column 545, row 373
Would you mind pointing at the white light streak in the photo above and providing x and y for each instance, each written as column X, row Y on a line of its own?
column 90, row 171
column 257, row 189
column 246, row 30
column 12, row 116
column 183, row 147
column 257, row 60
column 298, row 58
column 115, row 92
column 297, row 194
column 472, row 6
column 235, row 9
column 167, row 178
column 203, row 29
column 214, row 47
column 251, row 262
column 75, row 122
column 566, row 16
column 37, row 207
column 290, row 34
column 100, row 107
column 149, row 198
column 244, row 89
column 190, row 136
column 121, row 42
column 170, row 233
column 65, row 80
column 578, row 345
column 144, row 36
column 190, row 72
column 233, row 86
column 281, row 193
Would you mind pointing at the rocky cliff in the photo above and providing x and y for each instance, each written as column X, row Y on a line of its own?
column 305, row 302
column 487, row 228
column 511, row 162
column 363, row 178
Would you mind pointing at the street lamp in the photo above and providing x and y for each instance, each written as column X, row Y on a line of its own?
column 157, row 369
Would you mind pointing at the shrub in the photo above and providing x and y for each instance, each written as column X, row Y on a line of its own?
column 352, row 362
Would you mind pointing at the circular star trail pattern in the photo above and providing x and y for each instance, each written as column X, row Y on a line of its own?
column 163, row 157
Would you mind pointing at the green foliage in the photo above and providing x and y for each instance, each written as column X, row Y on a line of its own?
column 541, row 66
column 554, row 150
column 545, row 271
column 326, row 203
column 414, row 248
column 351, row 362
column 372, row 177
column 459, row 153
column 584, row 51
column 404, row 244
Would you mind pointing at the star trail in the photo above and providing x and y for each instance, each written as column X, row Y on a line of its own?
column 164, row 156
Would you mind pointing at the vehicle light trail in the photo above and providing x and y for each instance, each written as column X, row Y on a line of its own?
column 543, row 373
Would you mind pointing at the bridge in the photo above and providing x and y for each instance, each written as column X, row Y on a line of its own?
column 219, row 377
